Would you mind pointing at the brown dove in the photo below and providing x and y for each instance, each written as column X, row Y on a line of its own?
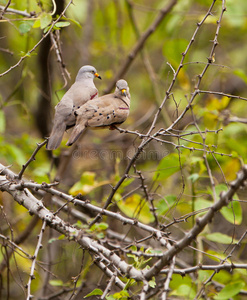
column 104, row 111
column 79, row 93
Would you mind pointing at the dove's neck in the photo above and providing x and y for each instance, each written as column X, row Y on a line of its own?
column 86, row 77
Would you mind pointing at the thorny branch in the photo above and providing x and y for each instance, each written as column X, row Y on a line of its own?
column 15, row 11
column 38, row 43
column 31, row 275
column 32, row 158
column 24, row 197
column 146, row 141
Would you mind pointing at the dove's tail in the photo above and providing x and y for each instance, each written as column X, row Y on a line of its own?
column 56, row 136
column 76, row 132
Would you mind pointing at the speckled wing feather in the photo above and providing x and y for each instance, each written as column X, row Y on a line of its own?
column 107, row 110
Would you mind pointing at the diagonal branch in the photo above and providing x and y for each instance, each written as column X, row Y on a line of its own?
column 32, row 158
column 39, row 42
column 139, row 44
column 146, row 141
column 15, row 11
column 38, row 247
column 25, row 198
column 225, row 198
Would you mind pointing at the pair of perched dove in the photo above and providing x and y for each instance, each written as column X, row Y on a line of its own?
column 80, row 108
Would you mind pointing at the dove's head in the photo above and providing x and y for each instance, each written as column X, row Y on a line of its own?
column 122, row 88
column 87, row 72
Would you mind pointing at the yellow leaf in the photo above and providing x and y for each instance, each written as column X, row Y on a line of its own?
column 86, row 184
column 136, row 207
column 230, row 168
column 214, row 103
column 210, row 119
column 184, row 80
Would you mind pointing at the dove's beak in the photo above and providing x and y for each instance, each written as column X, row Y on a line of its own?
column 124, row 92
column 97, row 75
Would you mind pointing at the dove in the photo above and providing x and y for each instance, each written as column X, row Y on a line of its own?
column 80, row 92
column 108, row 110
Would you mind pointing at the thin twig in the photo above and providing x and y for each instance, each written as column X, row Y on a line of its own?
column 143, row 295
column 38, row 247
column 109, row 286
column 18, row 12
column 32, row 158
column 225, row 198
column 168, row 279
column 140, row 43
column 39, row 42
column 4, row 9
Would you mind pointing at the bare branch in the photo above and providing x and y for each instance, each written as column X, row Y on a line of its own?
column 140, row 43
column 225, row 266
column 168, row 279
column 32, row 158
column 17, row 12
column 225, row 198
column 38, row 247
column 39, row 42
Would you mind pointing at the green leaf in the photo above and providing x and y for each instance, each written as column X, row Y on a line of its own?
column 219, row 189
column 95, row 292
column 110, row 297
column 26, row 26
column 62, row 24
column 241, row 74
column 234, row 16
column 27, row 54
column 202, row 203
column 133, row 248
column 75, row 22
column 230, row 290
column 173, row 48
column 165, row 204
column 45, row 20
column 52, row 240
column 99, row 226
column 47, row 28
column 61, row 237
column 56, row 282
column 86, row 184
column 152, row 283
column 168, row 166
column 123, row 295
column 233, row 212
column 36, row 24
column 135, row 258
column 217, row 256
column 15, row 154
column 127, row 182
column 220, row 238
column 194, row 177
column 2, row 121
column 135, row 207
column 184, row 291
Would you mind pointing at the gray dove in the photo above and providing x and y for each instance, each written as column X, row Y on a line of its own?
column 79, row 93
column 108, row 110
